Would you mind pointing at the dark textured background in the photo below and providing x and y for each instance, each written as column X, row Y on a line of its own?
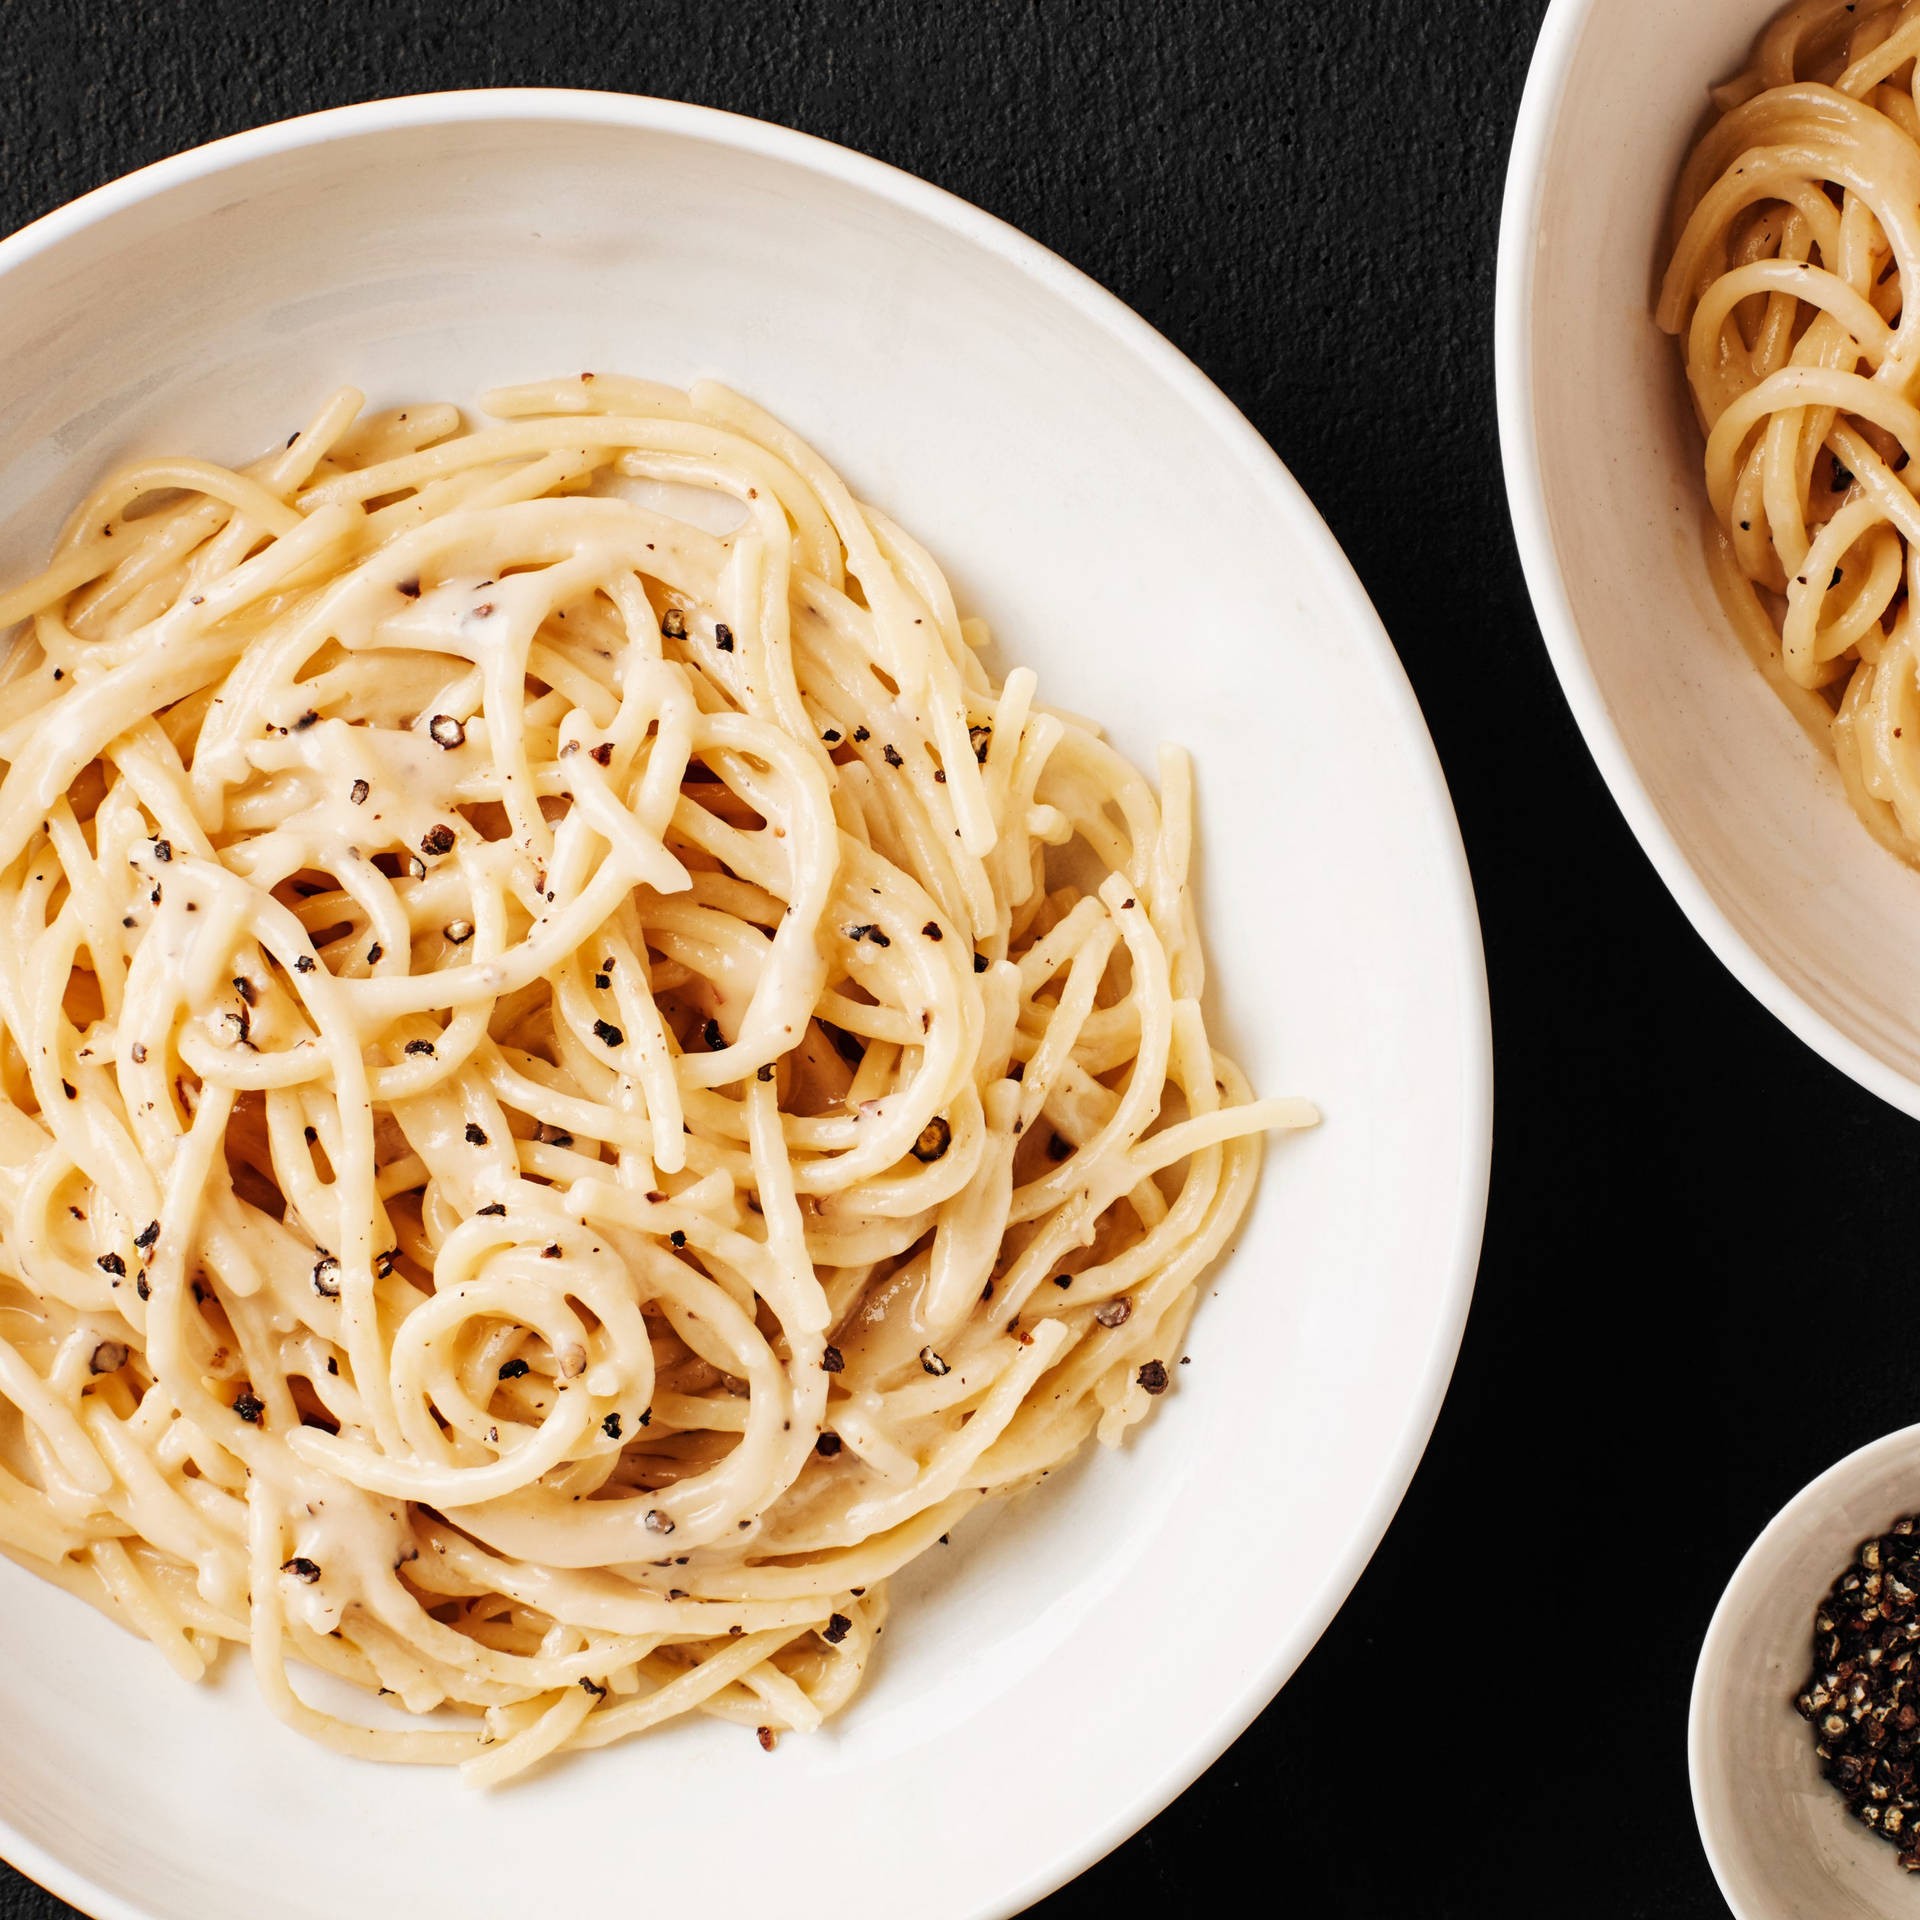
column 1304, row 196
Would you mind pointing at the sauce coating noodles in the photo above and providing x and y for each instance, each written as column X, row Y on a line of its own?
column 574, row 1089
column 1796, row 235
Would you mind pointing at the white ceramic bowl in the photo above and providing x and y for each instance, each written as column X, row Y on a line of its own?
column 1068, row 1666
column 1781, row 1841
column 1744, row 820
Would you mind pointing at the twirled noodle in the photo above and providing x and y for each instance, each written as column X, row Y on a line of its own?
column 1796, row 233
column 574, row 1089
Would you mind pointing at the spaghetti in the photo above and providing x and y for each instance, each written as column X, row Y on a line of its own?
column 1797, row 234
column 574, row 1089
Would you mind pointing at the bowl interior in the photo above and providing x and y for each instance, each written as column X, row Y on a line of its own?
column 1744, row 817
column 1077, row 1658
column 1780, row 1839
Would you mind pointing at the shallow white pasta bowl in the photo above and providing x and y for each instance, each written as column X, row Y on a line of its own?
column 1779, row 1837
column 1743, row 818
column 1070, row 1663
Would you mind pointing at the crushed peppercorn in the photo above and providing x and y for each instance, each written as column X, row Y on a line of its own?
column 475, row 1135
column 1153, row 1376
column 493, row 1209
column 673, row 624
column 827, row 1446
column 723, row 636
column 249, row 1406
column 1863, row 1695
column 607, row 1033
column 831, row 1362
column 935, row 1138
column 513, row 1369
column 446, row 731
column 837, row 1628
column 301, row 1568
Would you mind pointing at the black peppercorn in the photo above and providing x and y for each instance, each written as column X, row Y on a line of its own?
column 1858, row 1695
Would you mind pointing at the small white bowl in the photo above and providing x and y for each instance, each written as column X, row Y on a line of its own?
column 1780, row 1839
column 1743, row 818
column 1055, row 1678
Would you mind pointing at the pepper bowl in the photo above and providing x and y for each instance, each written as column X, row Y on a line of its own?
column 1780, row 1839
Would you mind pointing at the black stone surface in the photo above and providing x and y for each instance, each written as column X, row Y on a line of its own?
column 1699, row 1260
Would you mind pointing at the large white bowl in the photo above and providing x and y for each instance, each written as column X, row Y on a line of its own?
column 1064, row 1669
column 1744, row 820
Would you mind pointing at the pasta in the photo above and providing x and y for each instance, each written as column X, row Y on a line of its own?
column 575, row 1089
column 1796, row 235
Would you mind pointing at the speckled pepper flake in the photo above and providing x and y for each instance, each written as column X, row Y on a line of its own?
column 1863, row 1697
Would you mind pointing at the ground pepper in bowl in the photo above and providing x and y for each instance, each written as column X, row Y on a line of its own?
column 1863, row 1697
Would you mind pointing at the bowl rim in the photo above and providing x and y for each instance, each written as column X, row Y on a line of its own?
column 1459, row 929
column 1547, row 79
column 1732, row 1608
